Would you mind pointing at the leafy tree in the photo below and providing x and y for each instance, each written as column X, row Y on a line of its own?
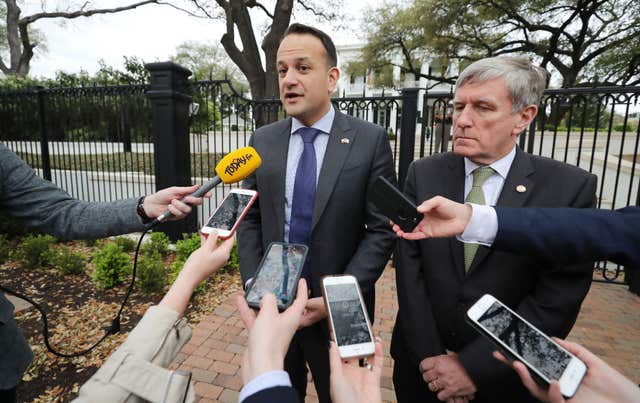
column 581, row 40
column 19, row 39
column 206, row 61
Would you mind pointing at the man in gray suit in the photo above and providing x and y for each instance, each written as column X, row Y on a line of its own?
column 318, row 166
column 438, row 356
column 41, row 204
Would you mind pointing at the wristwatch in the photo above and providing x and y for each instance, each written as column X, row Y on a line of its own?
column 140, row 210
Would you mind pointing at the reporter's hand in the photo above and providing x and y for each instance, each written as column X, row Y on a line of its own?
column 442, row 218
column 202, row 263
column 351, row 383
column 315, row 311
column 270, row 332
column 601, row 383
column 169, row 199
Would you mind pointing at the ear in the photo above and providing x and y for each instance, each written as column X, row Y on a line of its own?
column 333, row 75
column 524, row 118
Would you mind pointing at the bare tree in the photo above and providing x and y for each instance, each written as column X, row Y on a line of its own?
column 19, row 41
column 262, row 78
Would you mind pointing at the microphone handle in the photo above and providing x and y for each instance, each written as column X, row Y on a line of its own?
column 202, row 190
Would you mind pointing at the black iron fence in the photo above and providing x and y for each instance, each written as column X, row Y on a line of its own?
column 106, row 143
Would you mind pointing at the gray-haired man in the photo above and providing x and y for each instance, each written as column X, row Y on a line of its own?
column 437, row 355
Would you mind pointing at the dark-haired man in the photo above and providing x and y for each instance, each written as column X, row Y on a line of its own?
column 318, row 166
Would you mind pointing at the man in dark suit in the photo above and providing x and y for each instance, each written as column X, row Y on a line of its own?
column 318, row 166
column 437, row 355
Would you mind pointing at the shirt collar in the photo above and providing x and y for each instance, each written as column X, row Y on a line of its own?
column 324, row 124
column 501, row 166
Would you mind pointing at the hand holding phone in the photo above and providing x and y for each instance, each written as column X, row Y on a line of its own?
column 518, row 339
column 348, row 319
column 226, row 218
column 394, row 204
column 278, row 273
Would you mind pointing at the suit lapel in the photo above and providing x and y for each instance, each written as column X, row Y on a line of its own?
column 454, row 190
column 334, row 158
column 280, row 147
column 518, row 176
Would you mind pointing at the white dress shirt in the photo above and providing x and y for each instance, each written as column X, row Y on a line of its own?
column 483, row 225
column 267, row 380
column 296, row 146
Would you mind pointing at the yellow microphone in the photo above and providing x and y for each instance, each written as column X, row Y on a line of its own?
column 233, row 168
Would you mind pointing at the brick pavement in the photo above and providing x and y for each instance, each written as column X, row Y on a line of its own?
column 609, row 325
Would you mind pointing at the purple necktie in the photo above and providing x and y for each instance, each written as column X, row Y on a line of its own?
column 304, row 195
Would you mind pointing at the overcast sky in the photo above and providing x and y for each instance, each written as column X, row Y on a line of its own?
column 151, row 33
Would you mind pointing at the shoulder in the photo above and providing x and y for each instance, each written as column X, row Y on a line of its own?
column 273, row 128
column 558, row 169
column 435, row 161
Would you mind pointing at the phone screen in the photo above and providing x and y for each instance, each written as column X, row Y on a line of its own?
column 349, row 323
column 229, row 211
column 540, row 352
column 278, row 274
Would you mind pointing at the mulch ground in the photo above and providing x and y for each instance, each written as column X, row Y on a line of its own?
column 77, row 312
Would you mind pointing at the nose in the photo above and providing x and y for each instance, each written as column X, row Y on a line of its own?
column 290, row 78
column 462, row 118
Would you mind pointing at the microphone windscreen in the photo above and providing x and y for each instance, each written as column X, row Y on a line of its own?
column 238, row 164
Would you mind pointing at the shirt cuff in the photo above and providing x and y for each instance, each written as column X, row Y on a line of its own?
column 482, row 227
column 264, row 381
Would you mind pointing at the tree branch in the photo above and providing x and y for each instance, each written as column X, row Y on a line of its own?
column 254, row 3
column 75, row 14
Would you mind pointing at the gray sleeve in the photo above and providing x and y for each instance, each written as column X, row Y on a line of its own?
column 41, row 204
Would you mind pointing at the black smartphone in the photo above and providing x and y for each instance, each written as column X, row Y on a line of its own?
column 278, row 273
column 391, row 202
column 518, row 339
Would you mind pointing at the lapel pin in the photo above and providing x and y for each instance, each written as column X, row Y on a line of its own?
column 344, row 140
column 521, row 188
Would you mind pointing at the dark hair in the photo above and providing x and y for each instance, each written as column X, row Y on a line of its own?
column 329, row 47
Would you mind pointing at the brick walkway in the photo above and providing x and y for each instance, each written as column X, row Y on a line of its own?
column 609, row 325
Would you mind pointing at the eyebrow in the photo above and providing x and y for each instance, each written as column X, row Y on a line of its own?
column 299, row 59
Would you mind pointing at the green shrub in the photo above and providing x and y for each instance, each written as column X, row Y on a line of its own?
column 151, row 275
column 621, row 128
column 111, row 266
column 187, row 245
column 125, row 243
column 35, row 250
column 4, row 248
column 158, row 243
column 68, row 262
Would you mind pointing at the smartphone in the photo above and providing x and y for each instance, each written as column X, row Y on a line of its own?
column 230, row 212
column 278, row 273
column 545, row 359
column 394, row 204
column 348, row 319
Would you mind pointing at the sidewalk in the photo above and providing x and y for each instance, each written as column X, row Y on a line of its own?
column 609, row 325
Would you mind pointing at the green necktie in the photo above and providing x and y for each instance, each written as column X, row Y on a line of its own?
column 476, row 195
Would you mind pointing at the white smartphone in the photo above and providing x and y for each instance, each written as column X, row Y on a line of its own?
column 518, row 339
column 348, row 317
column 230, row 212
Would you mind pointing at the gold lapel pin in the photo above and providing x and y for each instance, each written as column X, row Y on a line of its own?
column 521, row 188
column 344, row 140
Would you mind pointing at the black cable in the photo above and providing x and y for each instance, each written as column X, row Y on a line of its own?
column 115, row 323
